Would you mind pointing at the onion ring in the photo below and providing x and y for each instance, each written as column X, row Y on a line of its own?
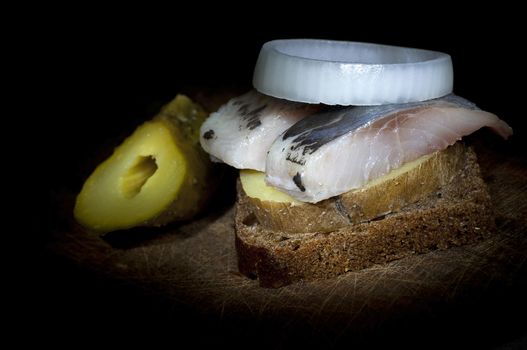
column 351, row 73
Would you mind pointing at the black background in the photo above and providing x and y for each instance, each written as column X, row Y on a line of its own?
column 92, row 75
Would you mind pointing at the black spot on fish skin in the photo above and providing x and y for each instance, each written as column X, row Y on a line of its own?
column 253, row 124
column 243, row 109
column 208, row 134
column 297, row 179
column 295, row 160
column 257, row 111
column 252, row 117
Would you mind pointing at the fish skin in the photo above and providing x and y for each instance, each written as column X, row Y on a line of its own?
column 367, row 142
column 241, row 132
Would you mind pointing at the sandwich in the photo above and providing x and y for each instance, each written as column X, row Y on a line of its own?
column 350, row 155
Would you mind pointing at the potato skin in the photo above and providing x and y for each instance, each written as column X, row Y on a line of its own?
column 388, row 195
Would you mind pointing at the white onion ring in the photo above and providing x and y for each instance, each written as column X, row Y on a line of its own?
column 351, row 73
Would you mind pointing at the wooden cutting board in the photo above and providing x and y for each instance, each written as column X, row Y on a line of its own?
column 469, row 291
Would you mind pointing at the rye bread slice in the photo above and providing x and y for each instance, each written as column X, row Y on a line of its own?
column 459, row 213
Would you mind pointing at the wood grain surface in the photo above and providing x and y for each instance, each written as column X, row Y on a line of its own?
column 189, row 272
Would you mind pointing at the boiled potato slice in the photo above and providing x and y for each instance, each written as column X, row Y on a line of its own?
column 410, row 183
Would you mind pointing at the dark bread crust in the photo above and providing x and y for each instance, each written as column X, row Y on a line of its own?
column 459, row 214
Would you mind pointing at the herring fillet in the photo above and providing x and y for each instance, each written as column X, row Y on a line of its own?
column 241, row 132
column 333, row 152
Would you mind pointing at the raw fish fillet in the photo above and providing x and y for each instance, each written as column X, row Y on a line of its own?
column 333, row 152
column 241, row 131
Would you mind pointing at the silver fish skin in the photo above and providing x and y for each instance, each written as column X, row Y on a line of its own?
column 333, row 152
column 241, row 132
